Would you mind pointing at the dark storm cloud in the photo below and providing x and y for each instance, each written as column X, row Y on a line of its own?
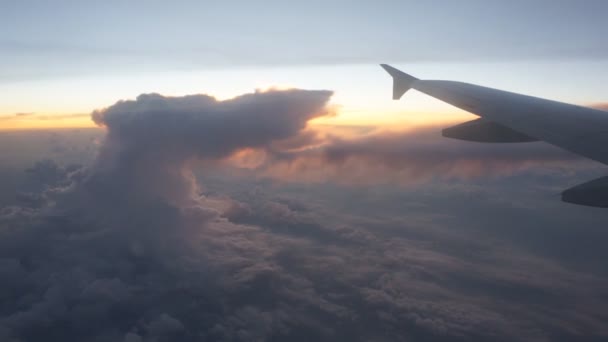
column 150, row 140
column 208, row 128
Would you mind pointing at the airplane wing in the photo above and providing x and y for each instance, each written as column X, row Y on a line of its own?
column 510, row 117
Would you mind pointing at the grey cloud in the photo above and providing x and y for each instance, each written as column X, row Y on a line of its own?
column 432, row 263
column 441, row 36
column 428, row 273
column 150, row 140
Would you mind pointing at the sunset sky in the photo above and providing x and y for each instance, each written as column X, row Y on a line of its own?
column 61, row 60
column 296, row 201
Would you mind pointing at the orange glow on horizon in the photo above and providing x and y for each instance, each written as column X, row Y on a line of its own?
column 388, row 119
column 42, row 122
column 344, row 117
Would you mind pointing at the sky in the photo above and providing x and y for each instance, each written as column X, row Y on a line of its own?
column 237, row 171
column 71, row 57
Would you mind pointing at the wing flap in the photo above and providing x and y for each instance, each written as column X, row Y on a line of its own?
column 482, row 130
column 593, row 193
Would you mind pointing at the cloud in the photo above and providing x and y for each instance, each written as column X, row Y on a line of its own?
column 135, row 247
column 404, row 157
column 137, row 206
column 151, row 140
column 442, row 37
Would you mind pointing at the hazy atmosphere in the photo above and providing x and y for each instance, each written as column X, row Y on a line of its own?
column 231, row 171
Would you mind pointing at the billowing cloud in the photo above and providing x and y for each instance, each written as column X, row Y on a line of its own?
column 150, row 140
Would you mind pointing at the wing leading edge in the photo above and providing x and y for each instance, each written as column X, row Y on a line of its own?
column 511, row 117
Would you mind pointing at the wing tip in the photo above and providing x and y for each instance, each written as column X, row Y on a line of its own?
column 402, row 82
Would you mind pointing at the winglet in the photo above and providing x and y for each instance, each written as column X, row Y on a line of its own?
column 402, row 82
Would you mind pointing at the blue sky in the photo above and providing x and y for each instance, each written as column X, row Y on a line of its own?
column 104, row 51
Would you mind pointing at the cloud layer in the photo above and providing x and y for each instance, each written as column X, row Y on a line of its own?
column 135, row 247
column 402, row 158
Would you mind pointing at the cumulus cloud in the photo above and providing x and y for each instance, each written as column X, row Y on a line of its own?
column 150, row 140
